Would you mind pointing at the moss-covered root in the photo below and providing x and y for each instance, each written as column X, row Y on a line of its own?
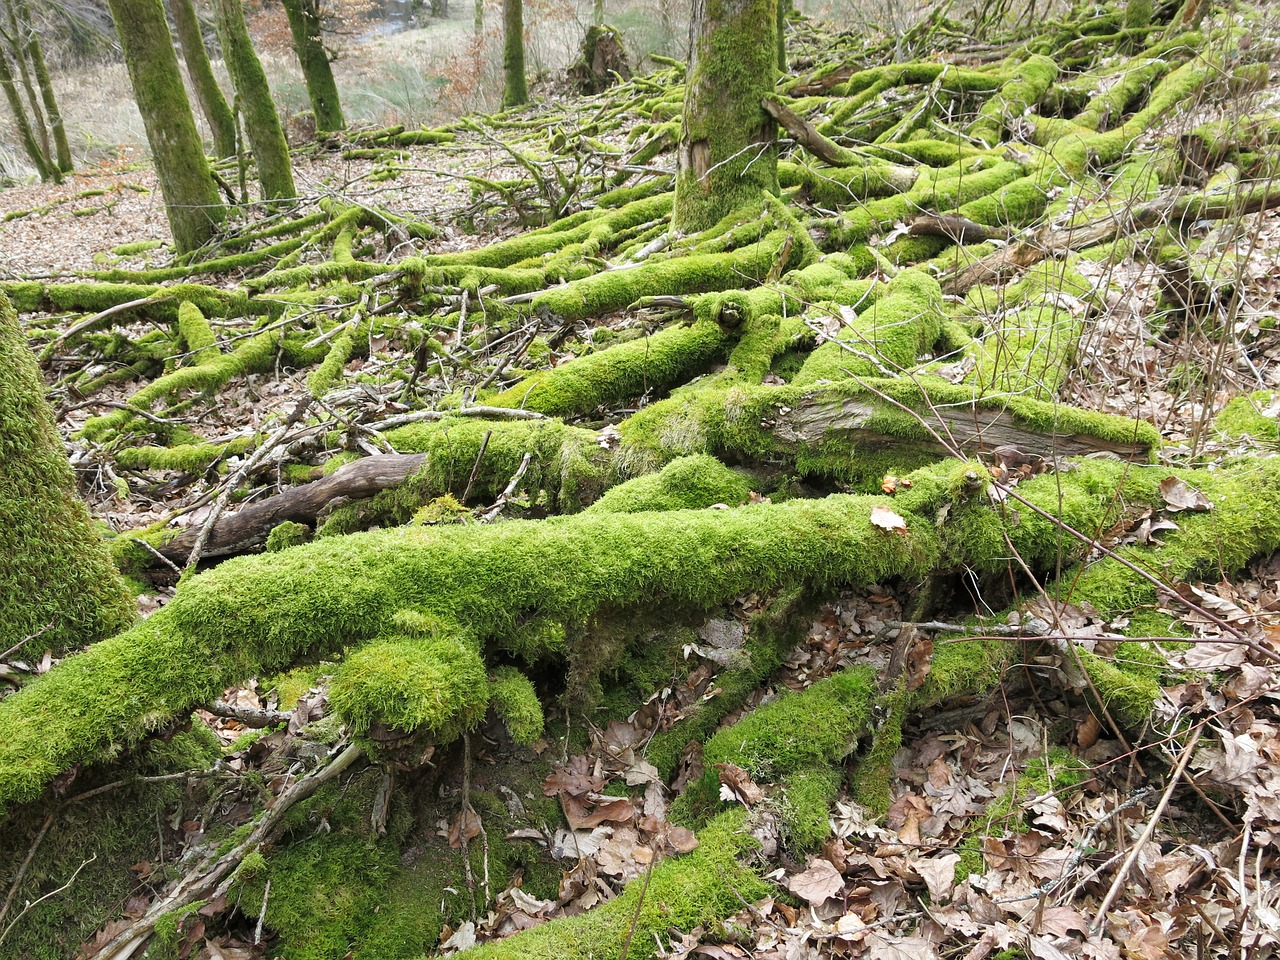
column 619, row 373
column 212, row 371
column 256, row 615
column 696, row 889
column 57, row 582
column 884, row 340
column 797, row 741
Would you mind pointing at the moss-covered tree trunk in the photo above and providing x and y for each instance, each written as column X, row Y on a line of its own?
column 35, row 53
column 57, row 584
column 727, row 154
column 253, row 99
column 214, row 106
column 305, row 25
column 514, row 89
column 26, row 133
column 190, row 195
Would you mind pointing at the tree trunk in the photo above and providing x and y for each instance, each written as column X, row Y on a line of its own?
column 784, row 8
column 440, row 9
column 305, row 25
column 214, row 106
column 727, row 154
column 36, row 54
column 57, row 584
column 23, row 122
column 190, row 194
column 253, row 99
column 514, row 89
column 16, row 37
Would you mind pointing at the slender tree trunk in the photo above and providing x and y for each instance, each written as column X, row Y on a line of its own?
column 440, row 9
column 597, row 13
column 478, row 20
column 190, row 196
column 253, row 94
column 16, row 38
column 304, row 24
column 727, row 154
column 23, row 122
column 214, row 106
column 784, row 8
column 514, row 89
column 36, row 54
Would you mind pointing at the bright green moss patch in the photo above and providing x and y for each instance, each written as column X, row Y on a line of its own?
column 689, row 483
column 1253, row 415
column 628, row 370
column 286, row 535
column 434, row 684
column 515, row 701
column 806, row 805
column 819, row 726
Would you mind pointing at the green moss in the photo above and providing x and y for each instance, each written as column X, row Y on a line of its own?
column 252, row 356
column 618, row 373
column 326, row 376
column 287, row 534
column 434, row 685
column 701, row 887
column 139, row 247
column 183, row 457
column 887, row 338
column 57, row 580
column 516, row 702
column 91, row 839
column 1030, row 81
column 806, row 806
column 688, row 483
column 799, row 730
column 1244, row 416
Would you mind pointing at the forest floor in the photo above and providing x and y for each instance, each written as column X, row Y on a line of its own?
column 884, row 889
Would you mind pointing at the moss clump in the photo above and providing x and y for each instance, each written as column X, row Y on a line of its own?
column 57, row 580
column 1253, row 415
column 437, row 685
column 806, row 805
column 516, row 702
column 286, row 535
column 688, row 483
column 799, row 730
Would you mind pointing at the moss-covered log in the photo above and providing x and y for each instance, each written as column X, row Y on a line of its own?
column 254, row 616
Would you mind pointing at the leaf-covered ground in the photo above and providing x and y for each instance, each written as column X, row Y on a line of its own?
column 995, row 842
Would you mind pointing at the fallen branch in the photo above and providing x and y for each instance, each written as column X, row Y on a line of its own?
column 209, row 881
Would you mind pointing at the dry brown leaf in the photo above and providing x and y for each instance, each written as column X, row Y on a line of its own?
column 583, row 813
column 1179, row 496
column 736, row 785
column 886, row 519
column 938, row 874
column 818, row 884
